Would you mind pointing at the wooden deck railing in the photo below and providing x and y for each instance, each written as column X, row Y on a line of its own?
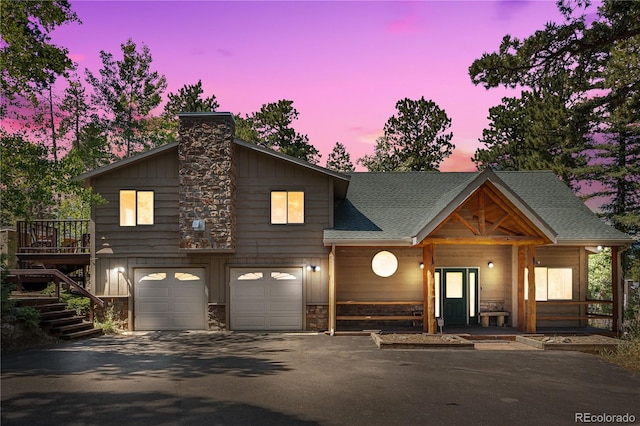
column 53, row 236
column 57, row 277
column 590, row 314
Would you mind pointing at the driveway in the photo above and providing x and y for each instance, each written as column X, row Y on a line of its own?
column 209, row 378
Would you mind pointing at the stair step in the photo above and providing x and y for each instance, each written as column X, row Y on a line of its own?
column 65, row 329
column 44, row 316
column 58, row 322
column 51, row 307
column 84, row 333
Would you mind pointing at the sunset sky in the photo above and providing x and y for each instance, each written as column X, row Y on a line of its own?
column 344, row 64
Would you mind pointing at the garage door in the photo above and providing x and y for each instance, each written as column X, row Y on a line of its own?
column 266, row 299
column 170, row 299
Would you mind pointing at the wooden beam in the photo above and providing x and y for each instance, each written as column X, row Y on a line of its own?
column 531, row 281
column 465, row 223
column 485, row 240
column 521, row 305
column 332, row 291
column 497, row 223
column 429, row 290
column 615, row 284
column 481, row 219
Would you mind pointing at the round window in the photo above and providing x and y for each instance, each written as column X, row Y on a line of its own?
column 384, row 264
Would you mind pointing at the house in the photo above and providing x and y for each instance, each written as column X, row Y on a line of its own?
column 212, row 231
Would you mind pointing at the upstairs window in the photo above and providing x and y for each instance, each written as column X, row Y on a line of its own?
column 287, row 207
column 136, row 207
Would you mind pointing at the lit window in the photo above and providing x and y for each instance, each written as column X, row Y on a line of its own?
column 551, row 284
column 287, row 207
column 136, row 207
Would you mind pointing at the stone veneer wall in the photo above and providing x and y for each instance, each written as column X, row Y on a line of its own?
column 317, row 317
column 207, row 180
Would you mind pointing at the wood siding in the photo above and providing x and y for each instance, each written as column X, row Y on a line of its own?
column 258, row 242
column 356, row 281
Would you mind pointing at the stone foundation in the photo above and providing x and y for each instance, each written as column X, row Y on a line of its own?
column 217, row 317
column 317, row 317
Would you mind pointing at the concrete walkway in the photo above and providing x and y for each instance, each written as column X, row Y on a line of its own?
column 209, row 378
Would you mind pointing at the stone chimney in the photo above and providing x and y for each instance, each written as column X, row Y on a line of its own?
column 207, row 181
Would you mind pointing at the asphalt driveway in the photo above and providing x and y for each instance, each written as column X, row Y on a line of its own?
column 211, row 378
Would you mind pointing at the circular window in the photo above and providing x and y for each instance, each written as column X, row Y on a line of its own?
column 384, row 264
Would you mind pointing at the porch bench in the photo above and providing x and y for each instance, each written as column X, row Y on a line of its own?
column 500, row 317
column 414, row 317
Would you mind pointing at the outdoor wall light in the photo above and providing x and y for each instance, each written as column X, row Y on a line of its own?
column 313, row 268
column 490, row 265
column 421, row 265
column 198, row 225
column 384, row 264
column 120, row 269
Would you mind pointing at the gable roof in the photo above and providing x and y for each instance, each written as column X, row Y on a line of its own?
column 403, row 208
column 341, row 181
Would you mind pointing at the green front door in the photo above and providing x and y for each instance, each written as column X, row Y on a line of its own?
column 454, row 306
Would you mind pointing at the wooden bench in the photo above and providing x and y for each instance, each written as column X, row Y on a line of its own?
column 500, row 316
column 414, row 317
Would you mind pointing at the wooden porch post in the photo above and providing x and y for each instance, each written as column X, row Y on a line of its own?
column 429, row 290
column 520, row 301
column 332, row 291
column 531, row 281
column 615, row 287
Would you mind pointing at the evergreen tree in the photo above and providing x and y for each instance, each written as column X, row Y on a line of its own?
column 339, row 159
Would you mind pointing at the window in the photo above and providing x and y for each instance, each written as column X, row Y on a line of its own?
column 287, row 207
column 136, row 207
column 551, row 284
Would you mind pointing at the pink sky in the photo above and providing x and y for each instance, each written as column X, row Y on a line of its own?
column 344, row 64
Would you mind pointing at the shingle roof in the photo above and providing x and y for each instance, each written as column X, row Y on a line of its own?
column 393, row 208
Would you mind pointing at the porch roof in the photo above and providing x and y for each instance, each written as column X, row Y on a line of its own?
column 400, row 208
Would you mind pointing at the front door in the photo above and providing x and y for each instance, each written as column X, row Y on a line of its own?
column 454, row 303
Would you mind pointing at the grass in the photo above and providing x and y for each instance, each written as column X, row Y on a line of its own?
column 628, row 353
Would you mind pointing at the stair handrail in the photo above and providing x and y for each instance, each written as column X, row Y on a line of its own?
column 56, row 273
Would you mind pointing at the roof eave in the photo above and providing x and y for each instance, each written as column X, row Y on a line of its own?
column 127, row 161
column 605, row 242
column 364, row 242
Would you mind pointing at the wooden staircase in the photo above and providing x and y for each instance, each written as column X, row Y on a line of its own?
column 59, row 321
column 55, row 318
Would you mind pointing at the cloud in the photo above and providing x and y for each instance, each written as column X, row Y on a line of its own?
column 508, row 9
column 459, row 161
column 77, row 57
column 369, row 138
column 409, row 21
column 224, row 52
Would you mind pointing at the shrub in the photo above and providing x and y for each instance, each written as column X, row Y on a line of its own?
column 628, row 353
column 109, row 325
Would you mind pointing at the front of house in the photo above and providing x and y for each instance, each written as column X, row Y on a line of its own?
column 213, row 232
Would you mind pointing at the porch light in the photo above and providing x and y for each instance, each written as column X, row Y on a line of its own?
column 384, row 264
column 421, row 265
column 120, row 269
column 313, row 268
column 490, row 265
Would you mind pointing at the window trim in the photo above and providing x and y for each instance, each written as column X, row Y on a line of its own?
column 286, row 208
column 137, row 208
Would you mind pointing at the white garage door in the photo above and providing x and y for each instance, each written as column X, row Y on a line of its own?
column 170, row 299
column 266, row 299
